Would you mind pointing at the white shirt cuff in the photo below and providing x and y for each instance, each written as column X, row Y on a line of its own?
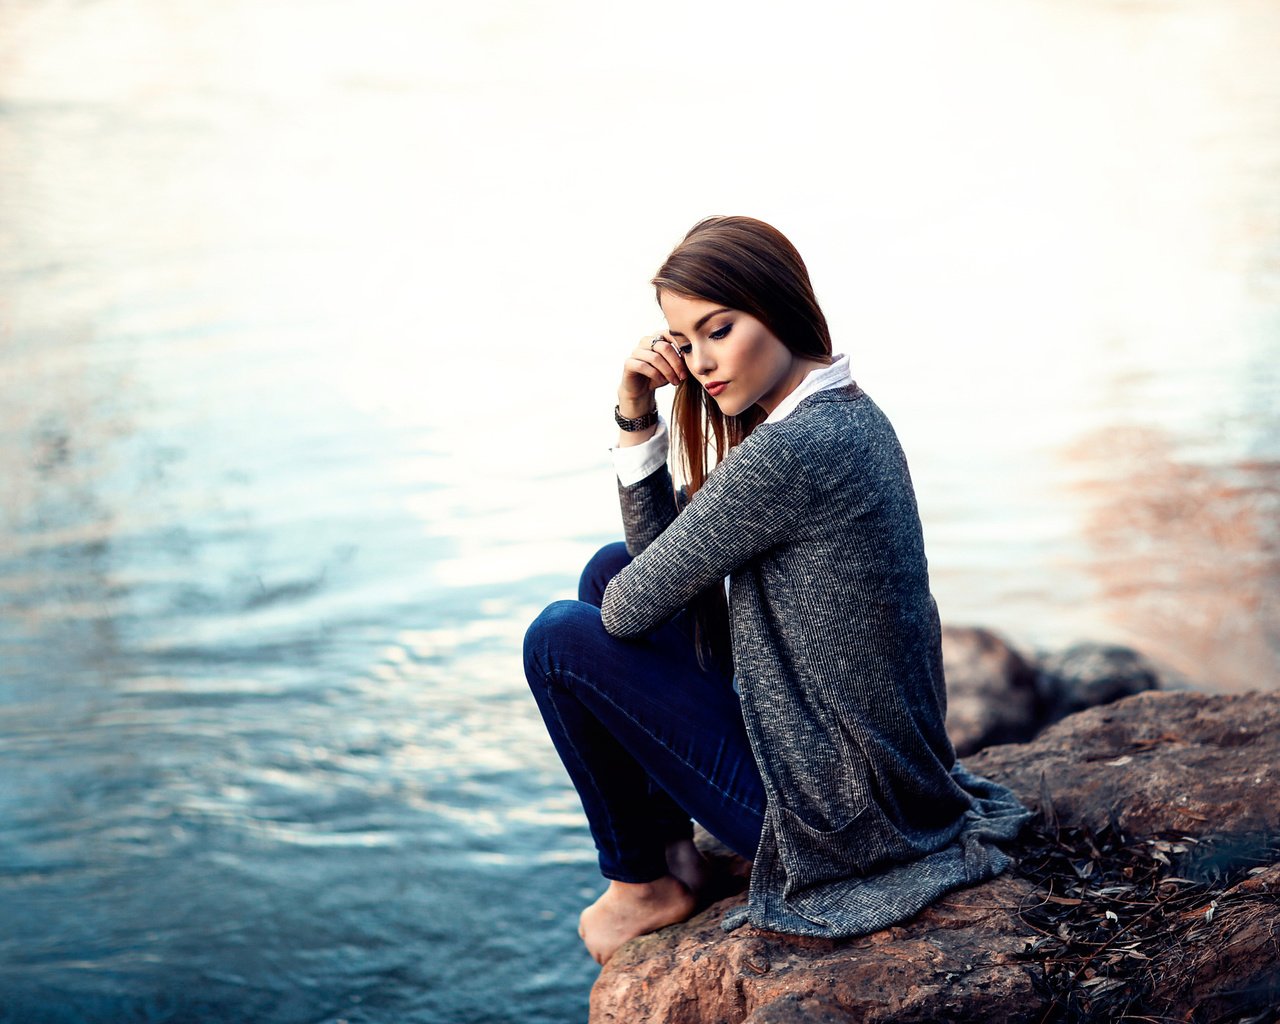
column 637, row 461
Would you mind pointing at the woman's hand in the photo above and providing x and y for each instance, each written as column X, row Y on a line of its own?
column 654, row 361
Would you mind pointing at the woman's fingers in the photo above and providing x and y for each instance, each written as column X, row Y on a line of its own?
column 663, row 346
column 654, row 361
column 655, row 372
column 658, row 352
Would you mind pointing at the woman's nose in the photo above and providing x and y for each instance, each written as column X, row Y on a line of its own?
column 699, row 362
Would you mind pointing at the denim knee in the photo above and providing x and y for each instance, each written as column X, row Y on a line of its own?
column 601, row 568
column 554, row 630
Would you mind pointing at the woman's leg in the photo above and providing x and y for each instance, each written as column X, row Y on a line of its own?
column 669, row 820
column 603, row 566
column 646, row 735
column 624, row 712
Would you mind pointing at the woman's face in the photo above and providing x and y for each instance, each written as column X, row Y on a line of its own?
column 730, row 353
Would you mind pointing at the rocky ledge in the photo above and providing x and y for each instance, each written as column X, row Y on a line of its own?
column 1147, row 888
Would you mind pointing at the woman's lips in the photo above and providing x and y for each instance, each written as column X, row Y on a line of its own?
column 716, row 386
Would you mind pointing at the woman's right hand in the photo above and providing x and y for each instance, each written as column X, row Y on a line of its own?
column 647, row 368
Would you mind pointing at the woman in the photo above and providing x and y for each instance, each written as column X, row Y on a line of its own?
column 802, row 726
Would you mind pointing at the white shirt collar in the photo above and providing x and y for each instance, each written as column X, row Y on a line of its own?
column 834, row 376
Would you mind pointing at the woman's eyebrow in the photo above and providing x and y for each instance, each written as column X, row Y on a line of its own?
column 703, row 319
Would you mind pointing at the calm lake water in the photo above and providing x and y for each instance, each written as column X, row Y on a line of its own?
column 310, row 322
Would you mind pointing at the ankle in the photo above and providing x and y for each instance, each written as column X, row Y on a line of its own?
column 682, row 853
column 645, row 891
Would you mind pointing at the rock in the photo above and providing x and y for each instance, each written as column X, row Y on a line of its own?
column 992, row 695
column 1187, row 763
column 1251, row 938
column 995, row 694
column 1087, row 675
column 962, row 958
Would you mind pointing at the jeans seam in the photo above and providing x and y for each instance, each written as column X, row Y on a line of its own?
column 616, row 852
column 656, row 739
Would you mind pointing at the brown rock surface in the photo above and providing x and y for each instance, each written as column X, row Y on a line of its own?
column 1188, row 763
column 959, row 959
column 1185, row 762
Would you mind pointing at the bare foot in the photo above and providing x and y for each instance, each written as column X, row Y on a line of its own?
column 628, row 909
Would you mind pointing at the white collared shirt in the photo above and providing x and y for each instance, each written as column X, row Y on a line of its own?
column 636, row 462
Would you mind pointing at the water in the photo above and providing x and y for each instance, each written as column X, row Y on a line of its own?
column 310, row 321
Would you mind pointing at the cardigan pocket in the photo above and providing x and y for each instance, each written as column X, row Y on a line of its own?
column 812, row 857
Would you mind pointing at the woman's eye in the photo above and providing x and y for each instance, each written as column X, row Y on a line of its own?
column 719, row 332
column 684, row 350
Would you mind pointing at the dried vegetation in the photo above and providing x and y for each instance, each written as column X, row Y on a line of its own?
column 1147, row 928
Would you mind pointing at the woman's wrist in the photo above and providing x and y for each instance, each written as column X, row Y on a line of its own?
column 644, row 422
column 632, row 408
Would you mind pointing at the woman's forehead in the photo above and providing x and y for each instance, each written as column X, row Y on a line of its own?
column 686, row 309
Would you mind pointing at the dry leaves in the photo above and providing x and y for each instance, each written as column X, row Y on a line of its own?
column 1117, row 914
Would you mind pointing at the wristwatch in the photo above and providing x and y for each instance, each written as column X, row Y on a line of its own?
column 639, row 423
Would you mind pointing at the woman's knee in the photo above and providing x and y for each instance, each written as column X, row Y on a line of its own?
column 562, row 626
column 602, row 567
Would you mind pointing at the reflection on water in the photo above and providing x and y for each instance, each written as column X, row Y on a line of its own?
column 309, row 328
column 1187, row 554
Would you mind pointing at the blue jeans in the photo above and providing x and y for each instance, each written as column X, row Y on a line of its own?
column 648, row 737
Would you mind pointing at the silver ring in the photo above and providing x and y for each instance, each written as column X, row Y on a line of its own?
column 655, row 341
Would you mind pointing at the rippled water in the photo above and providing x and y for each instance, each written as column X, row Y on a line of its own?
column 310, row 317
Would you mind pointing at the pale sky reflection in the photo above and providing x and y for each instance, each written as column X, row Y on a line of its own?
column 1028, row 223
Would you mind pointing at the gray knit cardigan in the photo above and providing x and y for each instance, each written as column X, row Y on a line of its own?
column 837, row 653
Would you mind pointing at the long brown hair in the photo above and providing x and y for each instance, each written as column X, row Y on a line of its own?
column 748, row 265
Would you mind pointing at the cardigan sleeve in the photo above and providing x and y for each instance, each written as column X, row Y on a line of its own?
column 647, row 508
column 751, row 502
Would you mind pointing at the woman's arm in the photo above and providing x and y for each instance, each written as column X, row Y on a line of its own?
column 648, row 505
column 753, row 501
column 633, row 408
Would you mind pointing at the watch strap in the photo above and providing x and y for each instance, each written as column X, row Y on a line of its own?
column 638, row 423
